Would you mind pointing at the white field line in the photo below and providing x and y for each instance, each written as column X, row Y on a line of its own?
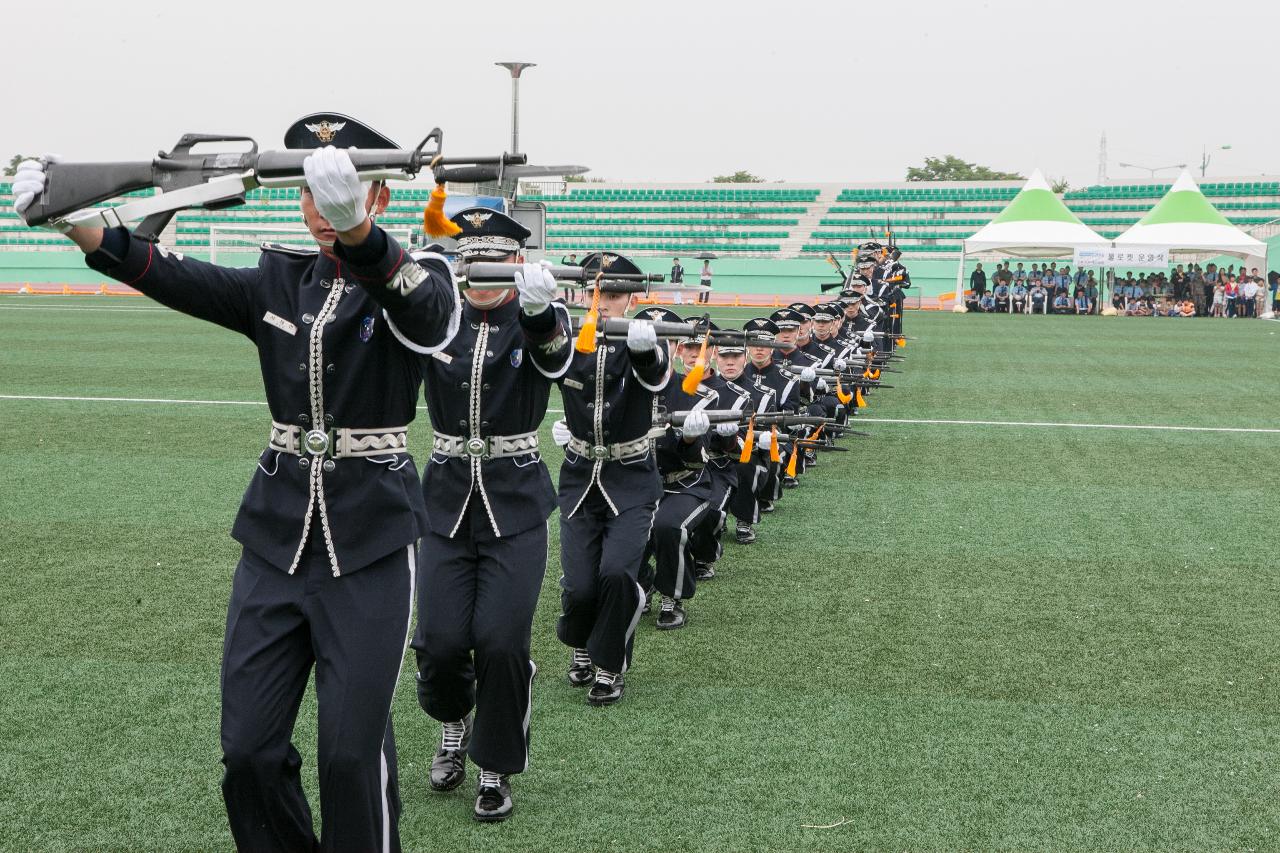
column 859, row 420
column 107, row 308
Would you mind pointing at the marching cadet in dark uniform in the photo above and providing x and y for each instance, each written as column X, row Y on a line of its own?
column 723, row 450
column 488, row 497
column 899, row 279
column 805, row 333
column 681, row 454
column 752, row 476
column 763, row 372
column 330, row 518
column 609, row 488
column 794, row 361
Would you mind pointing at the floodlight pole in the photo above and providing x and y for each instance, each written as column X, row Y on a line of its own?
column 515, row 68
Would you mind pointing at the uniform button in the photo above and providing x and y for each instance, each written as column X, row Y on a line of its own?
column 475, row 325
column 304, row 418
column 304, row 462
column 465, row 386
column 484, row 387
column 308, row 318
column 489, row 354
column 330, row 368
column 329, row 465
column 484, row 425
column 606, row 405
column 591, row 405
column 328, row 420
column 611, row 349
column 463, row 423
column 302, row 365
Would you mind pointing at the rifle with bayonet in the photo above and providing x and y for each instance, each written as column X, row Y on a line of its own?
column 491, row 275
column 615, row 328
column 219, row 180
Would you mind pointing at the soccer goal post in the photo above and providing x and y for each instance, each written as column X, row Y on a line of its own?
column 239, row 245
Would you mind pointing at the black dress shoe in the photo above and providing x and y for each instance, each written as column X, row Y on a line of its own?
column 493, row 798
column 449, row 767
column 766, row 506
column 606, row 690
column 671, row 616
column 790, row 482
column 581, row 672
column 703, row 571
column 745, row 534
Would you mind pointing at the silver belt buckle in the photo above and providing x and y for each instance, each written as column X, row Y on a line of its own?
column 477, row 447
column 316, row 442
column 600, row 452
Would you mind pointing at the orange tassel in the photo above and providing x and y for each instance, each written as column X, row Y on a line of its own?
column 842, row 395
column 433, row 219
column 750, row 444
column 791, row 464
column 857, row 395
column 694, row 377
column 875, row 374
column 774, row 454
column 586, row 342
column 902, row 342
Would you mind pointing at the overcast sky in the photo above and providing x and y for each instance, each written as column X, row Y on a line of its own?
column 671, row 91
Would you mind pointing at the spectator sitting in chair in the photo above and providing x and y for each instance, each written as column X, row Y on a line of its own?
column 1061, row 302
column 971, row 300
column 1039, row 298
column 987, row 303
column 1082, row 303
column 1001, row 294
column 1019, row 296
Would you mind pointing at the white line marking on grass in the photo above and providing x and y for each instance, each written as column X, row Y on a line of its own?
column 924, row 421
column 1165, row 427
column 84, row 308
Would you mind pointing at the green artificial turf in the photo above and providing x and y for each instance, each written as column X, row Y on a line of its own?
column 954, row 637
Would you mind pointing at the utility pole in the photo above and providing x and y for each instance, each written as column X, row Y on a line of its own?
column 515, row 68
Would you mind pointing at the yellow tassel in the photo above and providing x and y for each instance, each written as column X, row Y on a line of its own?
column 857, row 395
column 694, row 378
column 842, row 395
column 875, row 374
column 791, row 464
column 586, row 342
column 902, row 342
column 774, row 455
column 750, row 444
column 866, row 374
column 433, row 219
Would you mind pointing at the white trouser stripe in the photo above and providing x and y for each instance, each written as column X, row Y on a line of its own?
column 386, row 772
column 684, row 544
column 528, row 712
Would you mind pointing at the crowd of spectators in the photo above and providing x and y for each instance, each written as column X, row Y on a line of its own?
column 1043, row 289
column 1189, row 290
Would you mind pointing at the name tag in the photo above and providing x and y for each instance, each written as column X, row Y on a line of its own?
column 280, row 323
column 574, row 384
column 442, row 356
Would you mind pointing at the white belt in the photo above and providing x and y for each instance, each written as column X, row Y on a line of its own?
column 624, row 450
column 340, row 443
column 490, row 447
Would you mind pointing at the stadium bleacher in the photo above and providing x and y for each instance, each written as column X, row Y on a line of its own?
column 769, row 221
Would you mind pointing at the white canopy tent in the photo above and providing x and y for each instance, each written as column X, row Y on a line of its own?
column 1186, row 222
column 1036, row 224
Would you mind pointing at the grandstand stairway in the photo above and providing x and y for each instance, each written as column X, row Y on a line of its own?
column 807, row 222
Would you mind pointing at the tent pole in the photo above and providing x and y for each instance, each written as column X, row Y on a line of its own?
column 960, row 283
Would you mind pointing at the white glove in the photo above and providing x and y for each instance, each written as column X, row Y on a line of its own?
column 841, row 364
column 336, row 187
column 868, row 337
column 560, row 433
column 642, row 337
column 764, row 439
column 724, row 430
column 808, row 374
column 822, row 386
column 28, row 182
column 536, row 287
column 696, row 423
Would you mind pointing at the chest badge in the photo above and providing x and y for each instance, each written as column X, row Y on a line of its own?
column 366, row 328
column 517, row 357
